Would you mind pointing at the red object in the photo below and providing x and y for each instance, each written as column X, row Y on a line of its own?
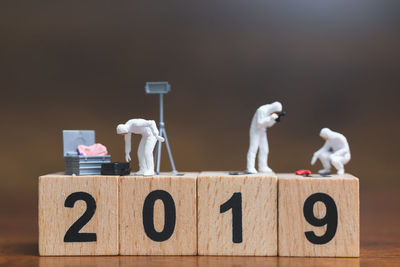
column 303, row 172
column 93, row 150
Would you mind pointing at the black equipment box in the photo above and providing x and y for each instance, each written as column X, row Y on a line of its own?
column 115, row 168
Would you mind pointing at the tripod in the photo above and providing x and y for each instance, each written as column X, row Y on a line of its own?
column 163, row 133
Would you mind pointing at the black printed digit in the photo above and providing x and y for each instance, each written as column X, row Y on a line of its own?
column 169, row 215
column 330, row 219
column 73, row 235
column 235, row 203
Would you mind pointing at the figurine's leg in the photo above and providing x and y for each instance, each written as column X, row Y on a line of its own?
column 148, row 155
column 338, row 162
column 263, row 154
column 140, row 155
column 252, row 153
column 324, row 157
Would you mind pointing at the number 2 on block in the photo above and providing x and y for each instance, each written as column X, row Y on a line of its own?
column 73, row 235
column 235, row 203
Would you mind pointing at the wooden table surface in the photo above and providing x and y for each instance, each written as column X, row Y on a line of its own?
column 380, row 240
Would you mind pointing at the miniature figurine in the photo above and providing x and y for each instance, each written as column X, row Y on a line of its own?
column 150, row 135
column 266, row 116
column 161, row 88
column 335, row 151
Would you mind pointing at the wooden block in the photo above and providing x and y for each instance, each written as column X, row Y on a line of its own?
column 158, row 215
column 237, row 214
column 78, row 215
column 330, row 228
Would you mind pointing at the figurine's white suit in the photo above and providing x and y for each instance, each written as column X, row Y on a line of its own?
column 263, row 118
column 335, row 151
column 149, row 132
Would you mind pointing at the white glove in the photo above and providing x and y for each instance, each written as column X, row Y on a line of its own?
column 159, row 138
column 127, row 157
column 314, row 158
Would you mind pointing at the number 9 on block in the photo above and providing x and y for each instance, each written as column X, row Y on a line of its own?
column 318, row 216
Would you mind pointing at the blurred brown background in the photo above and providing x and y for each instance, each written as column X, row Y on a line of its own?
column 83, row 65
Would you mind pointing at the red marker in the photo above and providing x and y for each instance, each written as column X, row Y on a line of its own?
column 303, row 172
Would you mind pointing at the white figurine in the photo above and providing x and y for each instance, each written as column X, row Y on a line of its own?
column 150, row 135
column 335, row 151
column 265, row 117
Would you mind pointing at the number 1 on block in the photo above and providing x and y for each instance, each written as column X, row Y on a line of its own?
column 235, row 203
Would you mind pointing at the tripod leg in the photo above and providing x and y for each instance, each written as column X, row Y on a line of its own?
column 159, row 144
column 171, row 159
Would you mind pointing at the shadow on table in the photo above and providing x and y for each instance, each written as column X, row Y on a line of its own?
column 276, row 261
column 177, row 261
column 31, row 249
column 19, row 249
column 79, row 261
column 22, row 250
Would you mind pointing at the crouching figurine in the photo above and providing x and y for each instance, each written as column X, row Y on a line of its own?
column 150, row 135
column 335, row 151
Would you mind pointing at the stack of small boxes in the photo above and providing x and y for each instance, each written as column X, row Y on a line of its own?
column 76, row 164
column 208, row 213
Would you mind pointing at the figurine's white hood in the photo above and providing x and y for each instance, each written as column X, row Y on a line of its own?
column 275, row 107
column 122, row 129
column 328, row 133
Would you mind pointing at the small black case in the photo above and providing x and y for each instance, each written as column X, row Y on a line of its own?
column 115, row 168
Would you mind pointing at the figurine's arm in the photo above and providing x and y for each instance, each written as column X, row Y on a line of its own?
column 154, row 130
column 325, row 147
column 267, row 121
column 127, row 147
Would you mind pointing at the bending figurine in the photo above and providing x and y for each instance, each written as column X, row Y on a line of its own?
column 265, row 117
column 150, row 135
column 335, row 151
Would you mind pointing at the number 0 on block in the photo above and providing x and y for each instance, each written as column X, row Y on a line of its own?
column 158, row 215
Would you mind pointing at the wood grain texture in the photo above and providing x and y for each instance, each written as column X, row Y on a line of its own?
column 293, row 190
column 259, row 214
column 134, row 190
column 55, row 219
